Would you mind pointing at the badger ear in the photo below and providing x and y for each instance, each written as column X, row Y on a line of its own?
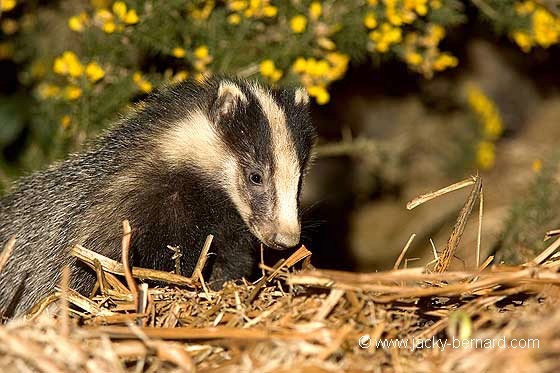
column 228, row 99
column 301, row 97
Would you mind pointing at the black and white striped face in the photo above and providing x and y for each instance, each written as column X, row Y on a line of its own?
column 269, row 138
column 258, row 143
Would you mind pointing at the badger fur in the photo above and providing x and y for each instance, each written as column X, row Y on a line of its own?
column 223, row 157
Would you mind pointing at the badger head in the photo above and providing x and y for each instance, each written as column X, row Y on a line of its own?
column 256, row 143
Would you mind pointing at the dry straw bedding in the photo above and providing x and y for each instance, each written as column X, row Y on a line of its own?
column 296, row 318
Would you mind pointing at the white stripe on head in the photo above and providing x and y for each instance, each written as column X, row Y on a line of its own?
column 232, row 89
column 287, row 170
column 194, row 141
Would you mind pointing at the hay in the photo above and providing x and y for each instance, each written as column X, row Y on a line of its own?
column 295, row 318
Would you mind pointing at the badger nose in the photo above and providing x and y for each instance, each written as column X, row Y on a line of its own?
column 286, row 239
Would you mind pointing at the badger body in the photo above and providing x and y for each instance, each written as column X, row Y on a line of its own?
column 224, row 157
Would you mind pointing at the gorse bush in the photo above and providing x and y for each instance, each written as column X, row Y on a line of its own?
column 84, row 61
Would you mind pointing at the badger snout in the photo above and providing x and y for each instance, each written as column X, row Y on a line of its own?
column 284, row 236
column 285, row 240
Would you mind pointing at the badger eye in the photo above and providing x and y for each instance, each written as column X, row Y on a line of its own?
column 256, row 178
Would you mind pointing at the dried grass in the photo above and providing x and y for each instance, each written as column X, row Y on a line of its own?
column 292, row 319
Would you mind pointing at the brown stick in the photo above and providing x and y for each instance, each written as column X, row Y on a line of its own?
column 459, row 228
column 181, row 333
column 64, row 304
column 114, row 267
column 404, row 250
column 448, row 189
column 127, row 233
column 202, row 258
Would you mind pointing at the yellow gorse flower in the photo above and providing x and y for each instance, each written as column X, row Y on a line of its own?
column 523, row 40
column 270, row 11
column 178, row 52
column 485, row 155
column 320, row 94
column 201, row 52
column 421, row 51
column 268, row 69
column 72, row 92
column 77, row 23
column 94, row 72
column 144, row 85
column 399, row 12
column 385, row 36
column 370, row 21
column 128, row 16
column 119, row 9
column 236, row 6
column 250, row 9
column 524, row 8
column 317, row 74
column 298, row 24
column 116, row 19
column 338, row 65
column 68, row 64
column 445, row 60
column 201, row 13
column 315, row 10
column 180, row 76
column 486, row 111
column 544, row 28
column 491, row 121
column 7, row 5
column 413, row 58
column 234, row 19
column 203, row 58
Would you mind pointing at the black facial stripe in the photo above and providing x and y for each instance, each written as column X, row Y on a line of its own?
column 298, row 121
column 247, row 133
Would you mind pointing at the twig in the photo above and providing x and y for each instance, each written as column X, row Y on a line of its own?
column 114, row 267
column 404, row 250
column 219, row 332
column 479, row 235
column 546, row 253
column 331, row 301
column 429, row 196
column 458, row 229
column 178, row 253
column 127, row 233
column 101, row 279
column 486, row 263
column 202, row 258
column 436, row 257
column 552, row 233
column 64, row 304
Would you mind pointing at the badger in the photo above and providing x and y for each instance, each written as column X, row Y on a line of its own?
column 224, row 157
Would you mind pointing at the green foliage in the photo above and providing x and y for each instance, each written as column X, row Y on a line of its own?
column 85, row 61
column 531, row 217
